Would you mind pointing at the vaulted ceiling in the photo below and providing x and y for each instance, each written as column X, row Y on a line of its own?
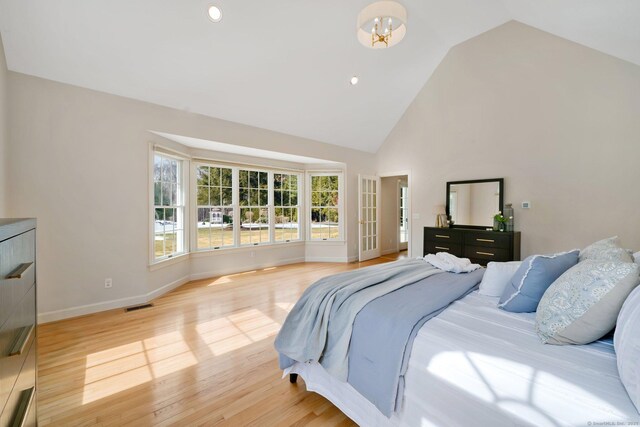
column 282, row 65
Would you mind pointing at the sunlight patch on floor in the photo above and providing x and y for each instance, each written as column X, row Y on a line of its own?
column 120, row 368
column 229, row 278
column 237, row 330
column 286, row 306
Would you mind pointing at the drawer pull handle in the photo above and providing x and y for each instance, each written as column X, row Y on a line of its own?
column 18, row 272
column 486, row 240
column 21, row 341
column 485, row 253
column 444, row 249
column 24, row 406
column 442, row 236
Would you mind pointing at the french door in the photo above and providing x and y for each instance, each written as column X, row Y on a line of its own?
column 368, row 217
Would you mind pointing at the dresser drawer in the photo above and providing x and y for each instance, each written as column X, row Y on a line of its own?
column 17, row 270
column 16, row 337
column 486, row 254
column 448, row 235
column 20, row 409
column 487, row 240
column 434, row 247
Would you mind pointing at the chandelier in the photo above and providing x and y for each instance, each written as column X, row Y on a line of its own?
column 382, row 24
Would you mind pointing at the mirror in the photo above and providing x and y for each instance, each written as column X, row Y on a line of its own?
column 473, row 204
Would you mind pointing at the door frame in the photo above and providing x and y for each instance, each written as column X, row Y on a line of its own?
column 407, row 173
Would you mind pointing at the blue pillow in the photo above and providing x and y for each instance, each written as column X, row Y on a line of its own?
column 523, row 293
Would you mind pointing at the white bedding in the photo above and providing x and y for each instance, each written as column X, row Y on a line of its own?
column 477, row 365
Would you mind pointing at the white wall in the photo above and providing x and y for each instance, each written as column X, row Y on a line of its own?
column 559, row 121
column 3, row 131
column 79, row 163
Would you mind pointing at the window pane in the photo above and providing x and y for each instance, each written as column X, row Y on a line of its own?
column 253, row 179
column 166, row 170
column 264, row 180
column 293, row 181
column 157, row 193
column 226, row 178
column 264, row 197
column 293, row 201
column 253, row 197
column 202, row 175
column 277, row 198
column 285, row 198
column 277, row 181
column 157, row 168
column 214, row 176
column 315, row 183
column 227, row 198
column 244, row 197
column 166, row 194
column 203, row 196
column 214, row 196
column 244, row 179
column 174, row 195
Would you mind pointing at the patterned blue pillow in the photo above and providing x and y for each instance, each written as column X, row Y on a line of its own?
column 523, row 293
column 584, row 303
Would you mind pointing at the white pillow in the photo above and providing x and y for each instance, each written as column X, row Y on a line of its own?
column 497, row 276
column 636, row 257
column 626, row 341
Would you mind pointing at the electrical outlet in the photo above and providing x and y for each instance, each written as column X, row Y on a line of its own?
column 108, row 282
column 526, row 205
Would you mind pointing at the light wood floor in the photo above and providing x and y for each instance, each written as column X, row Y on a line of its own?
column 203, row 355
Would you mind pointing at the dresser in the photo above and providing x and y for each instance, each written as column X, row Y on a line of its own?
column 18, row 322
column 480, row 246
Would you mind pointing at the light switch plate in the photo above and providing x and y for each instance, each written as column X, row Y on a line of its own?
column 526, row 205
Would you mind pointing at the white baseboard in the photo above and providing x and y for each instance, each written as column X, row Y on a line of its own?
column 389, row 251
column 82, row 310
column 224, row 272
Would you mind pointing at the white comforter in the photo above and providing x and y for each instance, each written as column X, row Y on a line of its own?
column 477, row 365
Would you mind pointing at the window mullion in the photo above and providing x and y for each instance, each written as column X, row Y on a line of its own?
column 235, row 185
column 271, row 209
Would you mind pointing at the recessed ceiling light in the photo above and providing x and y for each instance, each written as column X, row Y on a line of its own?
column 215, row 13
column 354, row 80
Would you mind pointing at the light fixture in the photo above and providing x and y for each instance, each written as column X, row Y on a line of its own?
column 354, row 80
column 215, row 13
column 382, row 24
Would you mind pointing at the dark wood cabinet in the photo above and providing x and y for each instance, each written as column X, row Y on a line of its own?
column 18, row 350
column 480, row 246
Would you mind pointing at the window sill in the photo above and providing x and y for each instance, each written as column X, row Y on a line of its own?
column 157, row 265
column 213, row 252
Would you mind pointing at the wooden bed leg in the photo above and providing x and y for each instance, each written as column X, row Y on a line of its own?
column 293, row 378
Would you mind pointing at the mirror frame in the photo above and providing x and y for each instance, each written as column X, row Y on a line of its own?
column 500, row 181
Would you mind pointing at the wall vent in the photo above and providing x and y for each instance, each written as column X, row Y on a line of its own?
column 137, row 307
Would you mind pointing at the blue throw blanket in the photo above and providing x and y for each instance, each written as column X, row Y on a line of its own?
column 384, row 331
column 360, row 325
column 318, row 328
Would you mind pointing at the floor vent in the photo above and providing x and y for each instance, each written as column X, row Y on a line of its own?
column 137, row 307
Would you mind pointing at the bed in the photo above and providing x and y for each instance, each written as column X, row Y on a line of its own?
column 474, row 364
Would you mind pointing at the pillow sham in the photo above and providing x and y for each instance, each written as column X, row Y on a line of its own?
column 626, row 341
column 606, row 250
column 497, row 276
column 537, row 272
column 583, row 304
